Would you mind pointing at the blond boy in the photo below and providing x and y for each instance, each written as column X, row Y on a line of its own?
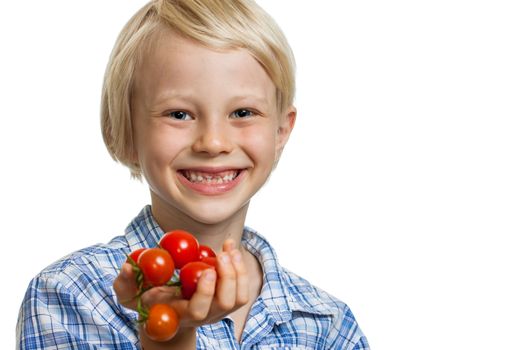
column 198, row 101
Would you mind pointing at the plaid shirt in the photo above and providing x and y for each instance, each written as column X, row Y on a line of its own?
column 71, row 304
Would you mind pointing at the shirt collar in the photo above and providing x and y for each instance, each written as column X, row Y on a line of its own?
column 143, row 231
column 282, row 292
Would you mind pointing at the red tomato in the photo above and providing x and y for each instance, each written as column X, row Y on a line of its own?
column 189, row 276
column 134, row 255
column 205, row 252
column 210, row 260
column 162, row 323
column 182, row 246
column 156, row 265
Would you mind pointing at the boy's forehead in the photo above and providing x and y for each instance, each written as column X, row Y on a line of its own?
column 177, row 65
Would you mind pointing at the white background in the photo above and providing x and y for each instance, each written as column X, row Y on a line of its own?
column 401, row 190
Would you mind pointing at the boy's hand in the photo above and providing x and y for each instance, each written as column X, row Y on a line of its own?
column 218, row 292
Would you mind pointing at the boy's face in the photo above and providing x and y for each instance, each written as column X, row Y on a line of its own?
column 206, row 127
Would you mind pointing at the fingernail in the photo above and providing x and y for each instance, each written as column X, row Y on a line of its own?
column 225, row 258
column 237, row 257
column 209, row 275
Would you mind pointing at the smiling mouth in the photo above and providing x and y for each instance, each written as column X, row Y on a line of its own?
column 222, row 177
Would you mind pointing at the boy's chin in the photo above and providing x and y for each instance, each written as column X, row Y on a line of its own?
column 214, row 215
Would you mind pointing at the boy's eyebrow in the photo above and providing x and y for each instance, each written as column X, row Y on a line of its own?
column 257, row 99
column 169, row 95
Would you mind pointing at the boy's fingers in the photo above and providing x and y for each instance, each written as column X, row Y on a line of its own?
column 200, row 302
column 225, row 294
column 125, row 286
column 218, row 291
column 159, row 295
column 228, row 245
column 242, row 278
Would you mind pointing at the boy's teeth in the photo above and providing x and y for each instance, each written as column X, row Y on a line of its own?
column 195, row 176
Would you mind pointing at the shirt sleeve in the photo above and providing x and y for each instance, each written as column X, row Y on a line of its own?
column 77, row 316
column 346, row 334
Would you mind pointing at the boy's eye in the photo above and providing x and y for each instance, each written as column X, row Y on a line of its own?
column 179, row 115
column 242, row 113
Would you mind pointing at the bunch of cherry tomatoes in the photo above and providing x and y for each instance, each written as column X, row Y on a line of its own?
column 177, row 251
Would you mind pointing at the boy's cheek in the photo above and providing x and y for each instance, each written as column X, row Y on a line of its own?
column 160, row 144
column 258, row 136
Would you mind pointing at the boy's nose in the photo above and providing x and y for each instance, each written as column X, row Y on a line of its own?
column 213, row 139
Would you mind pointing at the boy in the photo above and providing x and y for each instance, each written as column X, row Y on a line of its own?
column 198, row 100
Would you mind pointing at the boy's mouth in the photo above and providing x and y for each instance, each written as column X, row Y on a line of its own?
column 210, row 178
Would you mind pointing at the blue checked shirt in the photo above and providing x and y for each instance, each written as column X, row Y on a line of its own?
column 71, row 304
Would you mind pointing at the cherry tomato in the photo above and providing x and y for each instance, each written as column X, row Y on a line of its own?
column 134, row 255
column 162, row 323
column 156, row 265
column 205, row 252
column 210, row 260
column 182, row 246
column 189, row 276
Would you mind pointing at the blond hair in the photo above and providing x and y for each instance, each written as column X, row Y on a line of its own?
column 218, row 24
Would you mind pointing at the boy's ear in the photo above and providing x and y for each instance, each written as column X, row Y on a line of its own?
column 286, row 124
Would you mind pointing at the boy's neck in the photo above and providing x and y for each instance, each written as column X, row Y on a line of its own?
column 212, row 235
